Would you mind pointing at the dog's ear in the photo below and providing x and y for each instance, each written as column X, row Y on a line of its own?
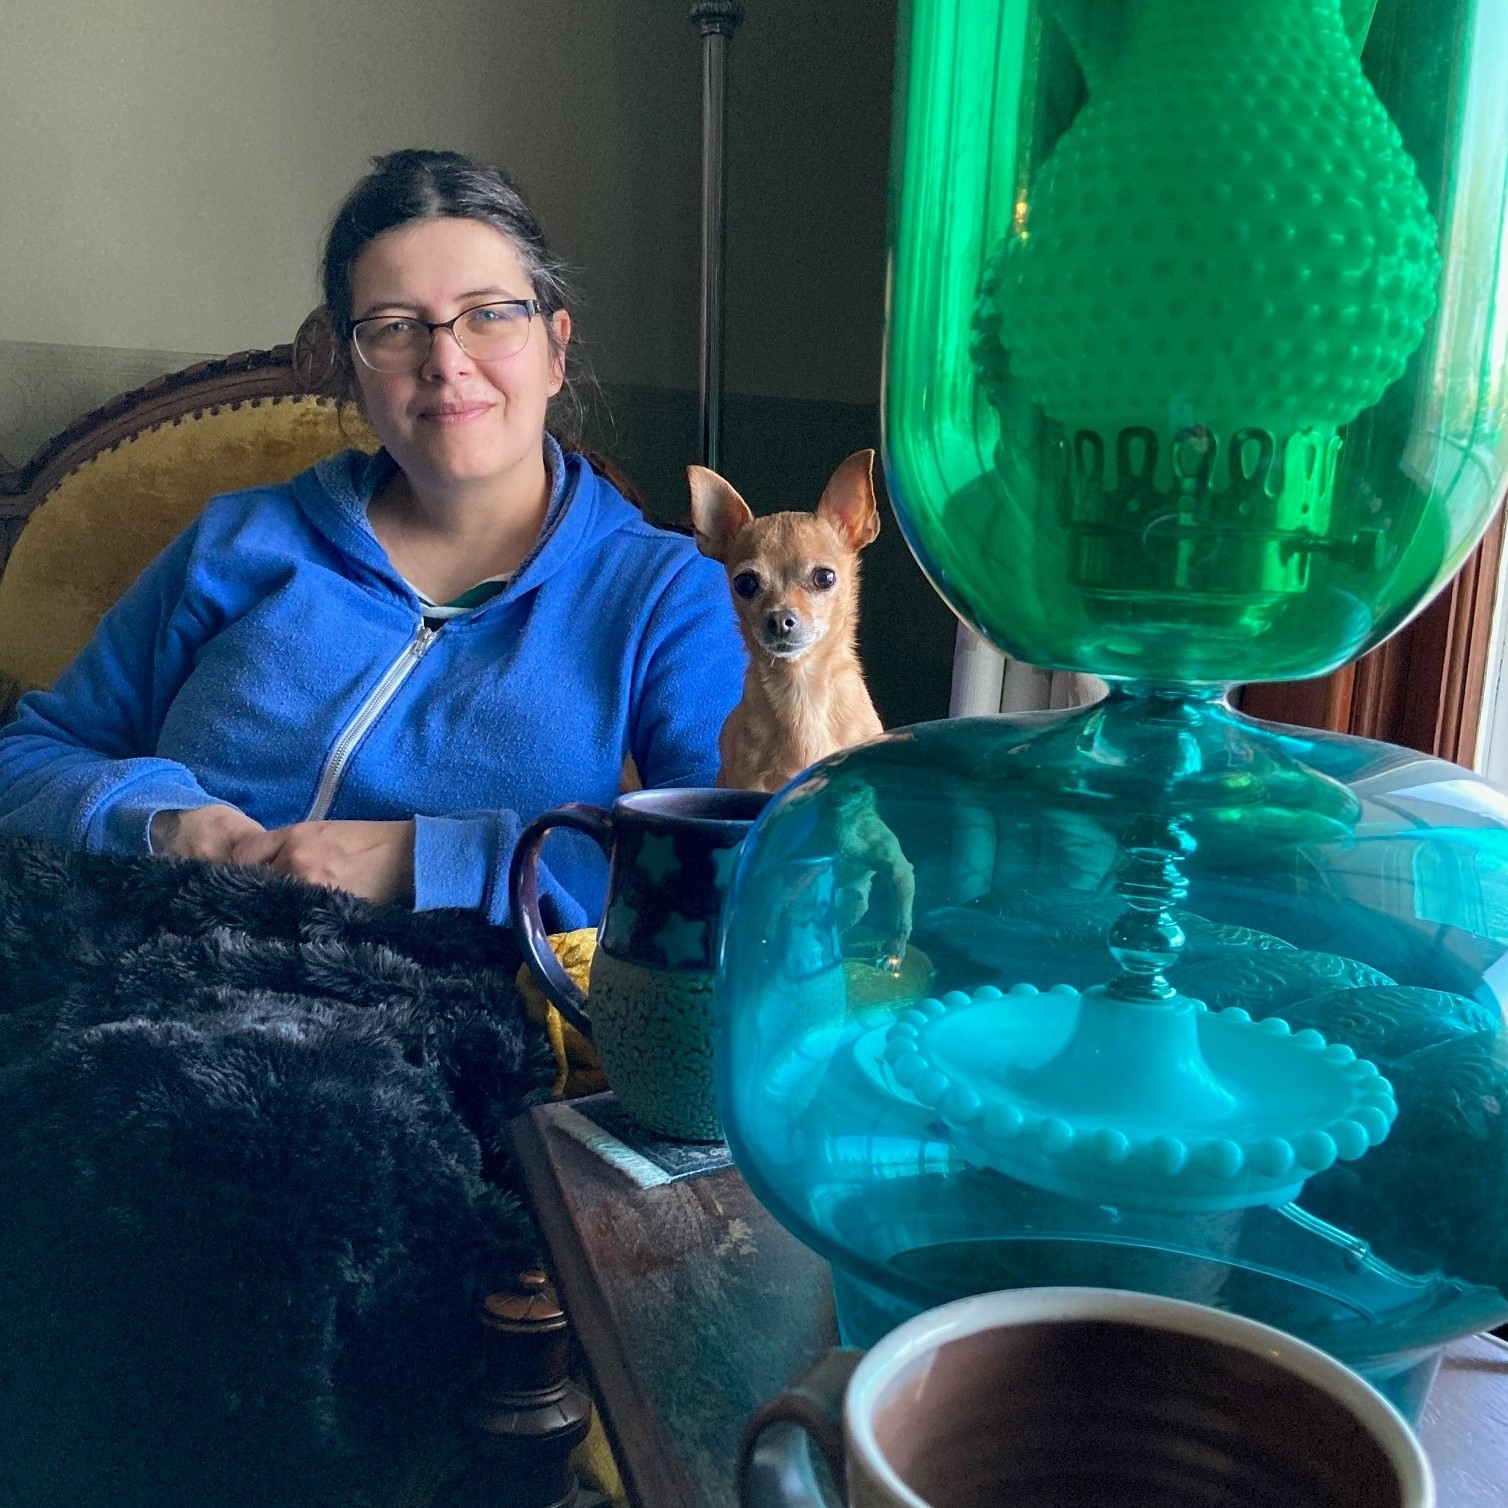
column 717, row 511
column 848, row 501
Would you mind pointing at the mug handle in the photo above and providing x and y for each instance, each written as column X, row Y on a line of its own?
column 773, row 1470
column 523, row 896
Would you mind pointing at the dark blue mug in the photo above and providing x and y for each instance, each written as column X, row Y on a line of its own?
column 649, row 1007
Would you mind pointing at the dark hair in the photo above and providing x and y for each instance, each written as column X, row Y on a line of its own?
column 412, row 185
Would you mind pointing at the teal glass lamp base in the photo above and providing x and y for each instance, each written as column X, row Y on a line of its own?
column 1189, row 1004
column 1190, row 310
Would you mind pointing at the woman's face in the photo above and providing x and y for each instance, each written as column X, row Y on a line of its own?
column 454, row 420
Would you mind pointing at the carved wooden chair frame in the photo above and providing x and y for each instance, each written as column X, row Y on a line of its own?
column 296, row 370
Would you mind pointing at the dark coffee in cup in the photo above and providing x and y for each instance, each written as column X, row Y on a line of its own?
column 1095, row 1411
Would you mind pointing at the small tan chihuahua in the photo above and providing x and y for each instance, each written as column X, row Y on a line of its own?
column 795, row 580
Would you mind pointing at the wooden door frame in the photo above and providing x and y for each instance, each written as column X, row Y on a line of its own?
column 1425, row 687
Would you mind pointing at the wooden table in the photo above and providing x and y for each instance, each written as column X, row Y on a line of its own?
column 692, row 1305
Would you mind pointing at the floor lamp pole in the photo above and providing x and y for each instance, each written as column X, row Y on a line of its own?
column 717, row 20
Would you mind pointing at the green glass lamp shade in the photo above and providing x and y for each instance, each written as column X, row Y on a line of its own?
column 1195, row 368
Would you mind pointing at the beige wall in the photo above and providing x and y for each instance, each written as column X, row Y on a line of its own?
column 808, row 147
column 167, row 167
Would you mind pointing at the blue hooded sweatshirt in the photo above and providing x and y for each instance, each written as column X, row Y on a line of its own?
column 272, row 659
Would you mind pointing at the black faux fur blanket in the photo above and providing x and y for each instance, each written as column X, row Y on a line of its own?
column 254, row 1179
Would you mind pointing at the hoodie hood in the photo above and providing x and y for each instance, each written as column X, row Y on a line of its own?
column 335, row 493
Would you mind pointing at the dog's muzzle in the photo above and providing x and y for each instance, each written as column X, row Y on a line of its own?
column 784, row 635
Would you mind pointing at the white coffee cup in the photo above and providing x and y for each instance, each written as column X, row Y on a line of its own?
column 1083, row 1397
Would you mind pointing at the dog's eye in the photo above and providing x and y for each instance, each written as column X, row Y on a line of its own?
column 746, row 583
column 824, row 578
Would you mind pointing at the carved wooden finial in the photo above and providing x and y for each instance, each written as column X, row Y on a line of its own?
column 530, row 1307
column 528, row 1416
column 719, row 16
column 316, row 352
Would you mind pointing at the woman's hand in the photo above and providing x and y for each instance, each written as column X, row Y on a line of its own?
column 370, row 859
column 202, row 832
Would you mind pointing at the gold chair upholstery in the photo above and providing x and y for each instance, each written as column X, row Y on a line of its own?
column 97, row 503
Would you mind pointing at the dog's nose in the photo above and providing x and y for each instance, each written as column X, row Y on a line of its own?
column 781, row 624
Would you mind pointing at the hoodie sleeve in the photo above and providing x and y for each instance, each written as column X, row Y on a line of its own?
column 76, row 766
column 462, row 859
column 689, row 677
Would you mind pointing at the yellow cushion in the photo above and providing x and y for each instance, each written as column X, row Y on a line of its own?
column 868, row 984
column 98, row 528
column 577, row 1069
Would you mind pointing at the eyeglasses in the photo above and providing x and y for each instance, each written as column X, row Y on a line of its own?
column 400, row 343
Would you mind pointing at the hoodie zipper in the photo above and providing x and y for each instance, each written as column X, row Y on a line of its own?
column 367, row 714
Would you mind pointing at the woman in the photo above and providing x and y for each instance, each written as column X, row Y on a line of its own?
column 371, row 676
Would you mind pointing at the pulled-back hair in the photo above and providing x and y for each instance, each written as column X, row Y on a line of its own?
column 412, row 185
